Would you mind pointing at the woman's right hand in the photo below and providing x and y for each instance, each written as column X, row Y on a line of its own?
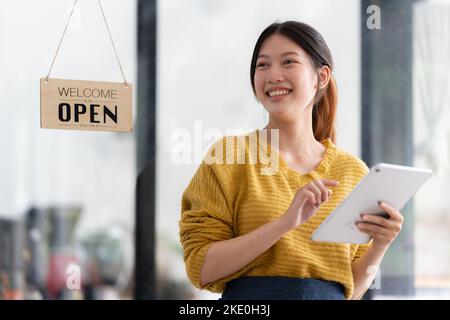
column 307, row 202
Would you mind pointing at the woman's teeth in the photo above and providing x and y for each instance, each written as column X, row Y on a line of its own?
column 278, row 93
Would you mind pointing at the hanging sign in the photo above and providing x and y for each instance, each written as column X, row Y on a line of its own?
column 86, row 105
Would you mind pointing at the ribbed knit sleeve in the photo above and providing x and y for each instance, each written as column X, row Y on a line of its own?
column 362, row 249
column 205, row 218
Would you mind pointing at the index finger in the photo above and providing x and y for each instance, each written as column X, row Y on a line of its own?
column 330, row 183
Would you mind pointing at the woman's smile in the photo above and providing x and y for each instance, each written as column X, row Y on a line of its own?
column 278, row 93
column 279, row 97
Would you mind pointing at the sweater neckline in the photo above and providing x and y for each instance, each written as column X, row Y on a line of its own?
column 320, row 171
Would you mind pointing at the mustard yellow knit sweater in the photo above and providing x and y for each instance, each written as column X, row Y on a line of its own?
column 223, row 201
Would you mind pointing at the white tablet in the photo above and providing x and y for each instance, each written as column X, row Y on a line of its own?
column 389, row 183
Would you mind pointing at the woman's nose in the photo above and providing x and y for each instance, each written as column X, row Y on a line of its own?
column 275, row 75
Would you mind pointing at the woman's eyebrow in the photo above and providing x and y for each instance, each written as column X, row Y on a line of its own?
column 284, row 54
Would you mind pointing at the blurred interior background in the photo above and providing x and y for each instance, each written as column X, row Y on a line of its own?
column 94, row 215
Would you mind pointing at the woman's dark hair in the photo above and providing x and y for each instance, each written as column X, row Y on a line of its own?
column 310, row 40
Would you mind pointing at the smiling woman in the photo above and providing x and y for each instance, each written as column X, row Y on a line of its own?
column 248, row 235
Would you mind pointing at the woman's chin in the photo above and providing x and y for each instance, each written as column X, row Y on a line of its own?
column 280, row 112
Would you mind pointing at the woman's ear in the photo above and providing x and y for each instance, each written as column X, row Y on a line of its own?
column 324, row 76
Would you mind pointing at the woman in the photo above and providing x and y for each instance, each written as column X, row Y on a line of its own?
column 248, row 235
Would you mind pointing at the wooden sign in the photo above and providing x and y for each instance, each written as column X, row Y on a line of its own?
column 86, row 105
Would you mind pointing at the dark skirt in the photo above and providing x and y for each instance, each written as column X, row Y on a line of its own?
column 282, row 288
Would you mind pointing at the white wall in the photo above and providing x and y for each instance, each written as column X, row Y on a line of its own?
column 204, row 53
column 46, row 167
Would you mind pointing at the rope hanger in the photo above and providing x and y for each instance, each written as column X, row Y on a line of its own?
column 110, row 37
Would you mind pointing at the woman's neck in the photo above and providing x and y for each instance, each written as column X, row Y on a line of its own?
column 296, row 139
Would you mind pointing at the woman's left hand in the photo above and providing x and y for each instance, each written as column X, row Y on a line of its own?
column 382, row 230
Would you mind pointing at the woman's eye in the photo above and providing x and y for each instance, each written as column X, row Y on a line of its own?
column 288, row 61
column 261, row 64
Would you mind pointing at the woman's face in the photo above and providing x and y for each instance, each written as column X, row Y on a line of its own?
column 285, row 80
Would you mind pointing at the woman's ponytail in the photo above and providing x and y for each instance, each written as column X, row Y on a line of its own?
column 324, row 113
